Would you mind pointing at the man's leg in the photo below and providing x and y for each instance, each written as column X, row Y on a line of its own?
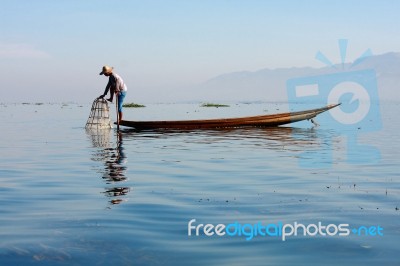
column 121, row 97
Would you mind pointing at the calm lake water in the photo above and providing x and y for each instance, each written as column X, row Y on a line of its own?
column 74, row 197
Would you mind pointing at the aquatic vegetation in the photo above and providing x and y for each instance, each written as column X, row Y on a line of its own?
column 214, row 105
column 133, row 105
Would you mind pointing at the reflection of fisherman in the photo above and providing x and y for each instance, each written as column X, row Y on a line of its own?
column 121, row 157
column 115, row 171
column 114, row 166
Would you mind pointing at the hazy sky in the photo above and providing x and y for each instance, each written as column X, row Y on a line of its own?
column 53, row 50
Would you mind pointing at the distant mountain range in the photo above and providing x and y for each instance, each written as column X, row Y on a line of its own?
column 270, row 84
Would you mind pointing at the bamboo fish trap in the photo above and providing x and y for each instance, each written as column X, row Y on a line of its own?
column 99, row 117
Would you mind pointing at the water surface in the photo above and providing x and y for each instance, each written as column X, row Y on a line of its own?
column 71, row 196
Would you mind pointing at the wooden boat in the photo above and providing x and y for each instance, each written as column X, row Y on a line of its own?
column 249, row 121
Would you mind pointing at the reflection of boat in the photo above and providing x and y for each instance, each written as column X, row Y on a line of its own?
column 250, row 121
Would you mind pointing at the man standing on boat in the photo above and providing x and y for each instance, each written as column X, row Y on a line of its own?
column 115, row 85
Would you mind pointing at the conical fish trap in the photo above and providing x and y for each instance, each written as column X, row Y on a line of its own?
column 99, row 117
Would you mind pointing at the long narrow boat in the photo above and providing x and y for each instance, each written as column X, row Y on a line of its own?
column 249, row 121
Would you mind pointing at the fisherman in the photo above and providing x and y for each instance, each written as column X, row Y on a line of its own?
column 115, row 85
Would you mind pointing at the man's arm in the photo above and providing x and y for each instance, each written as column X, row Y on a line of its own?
column 107, row 88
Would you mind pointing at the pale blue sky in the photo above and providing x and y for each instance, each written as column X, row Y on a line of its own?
column 54, row 50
